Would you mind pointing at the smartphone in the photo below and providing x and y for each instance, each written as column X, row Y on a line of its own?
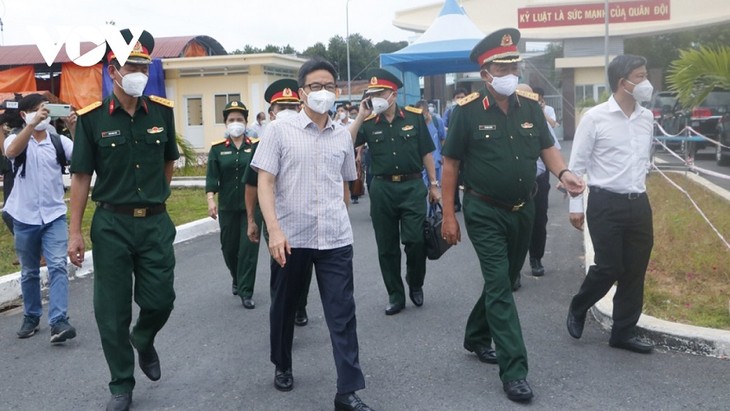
column 58, row 110
column 368, row 102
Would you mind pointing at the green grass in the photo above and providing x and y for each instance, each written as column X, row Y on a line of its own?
column 688, row 279
column 184, row 205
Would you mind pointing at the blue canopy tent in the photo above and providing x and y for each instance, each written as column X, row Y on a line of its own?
column 443, row 48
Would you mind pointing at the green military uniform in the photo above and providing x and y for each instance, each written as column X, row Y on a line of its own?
column 131, row 232
column 397, row 195
column 498, row 154
column 227, row 168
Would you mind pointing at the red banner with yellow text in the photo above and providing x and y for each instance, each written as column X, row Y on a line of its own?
column 593, row 13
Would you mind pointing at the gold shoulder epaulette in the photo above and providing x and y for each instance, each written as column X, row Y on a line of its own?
column 370, row 117
column 468, row 99
column 254, row 140
column 89, row 108
column 215, row 143
column 414, row 110
column 528, row 94
column 163, row 101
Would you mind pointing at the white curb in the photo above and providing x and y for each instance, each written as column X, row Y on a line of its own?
column 10, row 294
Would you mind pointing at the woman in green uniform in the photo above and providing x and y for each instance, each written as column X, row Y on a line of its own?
column 228, row 160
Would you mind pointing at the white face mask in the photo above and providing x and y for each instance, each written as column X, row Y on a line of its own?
column 320, row 101
column 40, row 126
column 236, row 129
column 642, row 91
column 342, row 116
column 380, row 105
column 285, row 114
column 133, row 83
column 505, row 85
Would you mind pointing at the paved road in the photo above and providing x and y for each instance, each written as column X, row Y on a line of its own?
column 215, row 354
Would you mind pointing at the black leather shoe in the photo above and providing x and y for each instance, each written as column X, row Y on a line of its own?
column 393, row 309
column 283, row 380
column 234, row 288
column 416, row 295
column 517, row 284
column 484, row 353
column 149, row 363
column 518, row 390
column 633, row 344
column 537, row 269
column 119, row 402
column 575, row 324
column 350, row 402
column 248, row 303
column 300, row 317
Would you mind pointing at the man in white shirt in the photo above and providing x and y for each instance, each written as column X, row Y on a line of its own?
column 611, row 146
column 258, row 126
column 38, row 210
column 304, row 164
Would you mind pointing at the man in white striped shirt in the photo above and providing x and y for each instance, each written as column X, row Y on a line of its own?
column 612, row 145
column 305, row 163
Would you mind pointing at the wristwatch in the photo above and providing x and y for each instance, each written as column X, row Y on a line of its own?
column 434, row 183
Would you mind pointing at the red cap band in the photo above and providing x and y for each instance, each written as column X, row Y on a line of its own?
column 496, row 51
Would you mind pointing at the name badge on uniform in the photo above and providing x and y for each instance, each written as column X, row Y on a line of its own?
column 526, row 125
column 224, row 153
column 407, row 128
column 155, row 130
column 247, row 150
column 377, row 132
column 112, row 133
column 488, row 127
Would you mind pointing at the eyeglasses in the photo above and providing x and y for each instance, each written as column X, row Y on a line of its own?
column 319, row 86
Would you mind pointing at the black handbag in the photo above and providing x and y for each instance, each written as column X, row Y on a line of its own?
column 436, row 246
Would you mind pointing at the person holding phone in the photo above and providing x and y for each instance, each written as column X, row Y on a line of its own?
column 37, row 207
column 400, row 148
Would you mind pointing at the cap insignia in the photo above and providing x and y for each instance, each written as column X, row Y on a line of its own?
column 138, row 48
column 287, row 92
column 506, row 40
column 374, row 80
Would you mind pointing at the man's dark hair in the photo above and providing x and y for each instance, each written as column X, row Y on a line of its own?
column 539, row 91
column 422, row 104
column 30, row 102
column 621, row 66
column 314, row 64
column 459, row 90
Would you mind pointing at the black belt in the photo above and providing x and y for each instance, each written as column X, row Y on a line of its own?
column 496, row 203
column 628, row 196
column 132, row 210
column 397, row 178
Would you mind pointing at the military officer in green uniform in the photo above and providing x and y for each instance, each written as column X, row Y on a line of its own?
column 283, row 100
column 497, row 136
column 128, row 140
column 400, row 147
column 228, row 161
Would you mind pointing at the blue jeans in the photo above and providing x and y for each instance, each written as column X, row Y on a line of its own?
column 51, row 240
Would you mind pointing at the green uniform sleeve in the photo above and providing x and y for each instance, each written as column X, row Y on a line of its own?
column 456, row 136
column 425, row 142
column 171, row 151
column 361, row 137
column 212, row 174
column 83, row 157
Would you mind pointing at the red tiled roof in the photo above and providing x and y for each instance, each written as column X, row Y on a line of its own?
column 165, row 47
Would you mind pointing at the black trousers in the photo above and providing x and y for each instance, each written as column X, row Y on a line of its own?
column 622, row 234
column 334, row 277
column 539, row 227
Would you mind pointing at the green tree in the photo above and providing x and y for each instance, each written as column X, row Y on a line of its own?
column 660, row 50
column 699, row 71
